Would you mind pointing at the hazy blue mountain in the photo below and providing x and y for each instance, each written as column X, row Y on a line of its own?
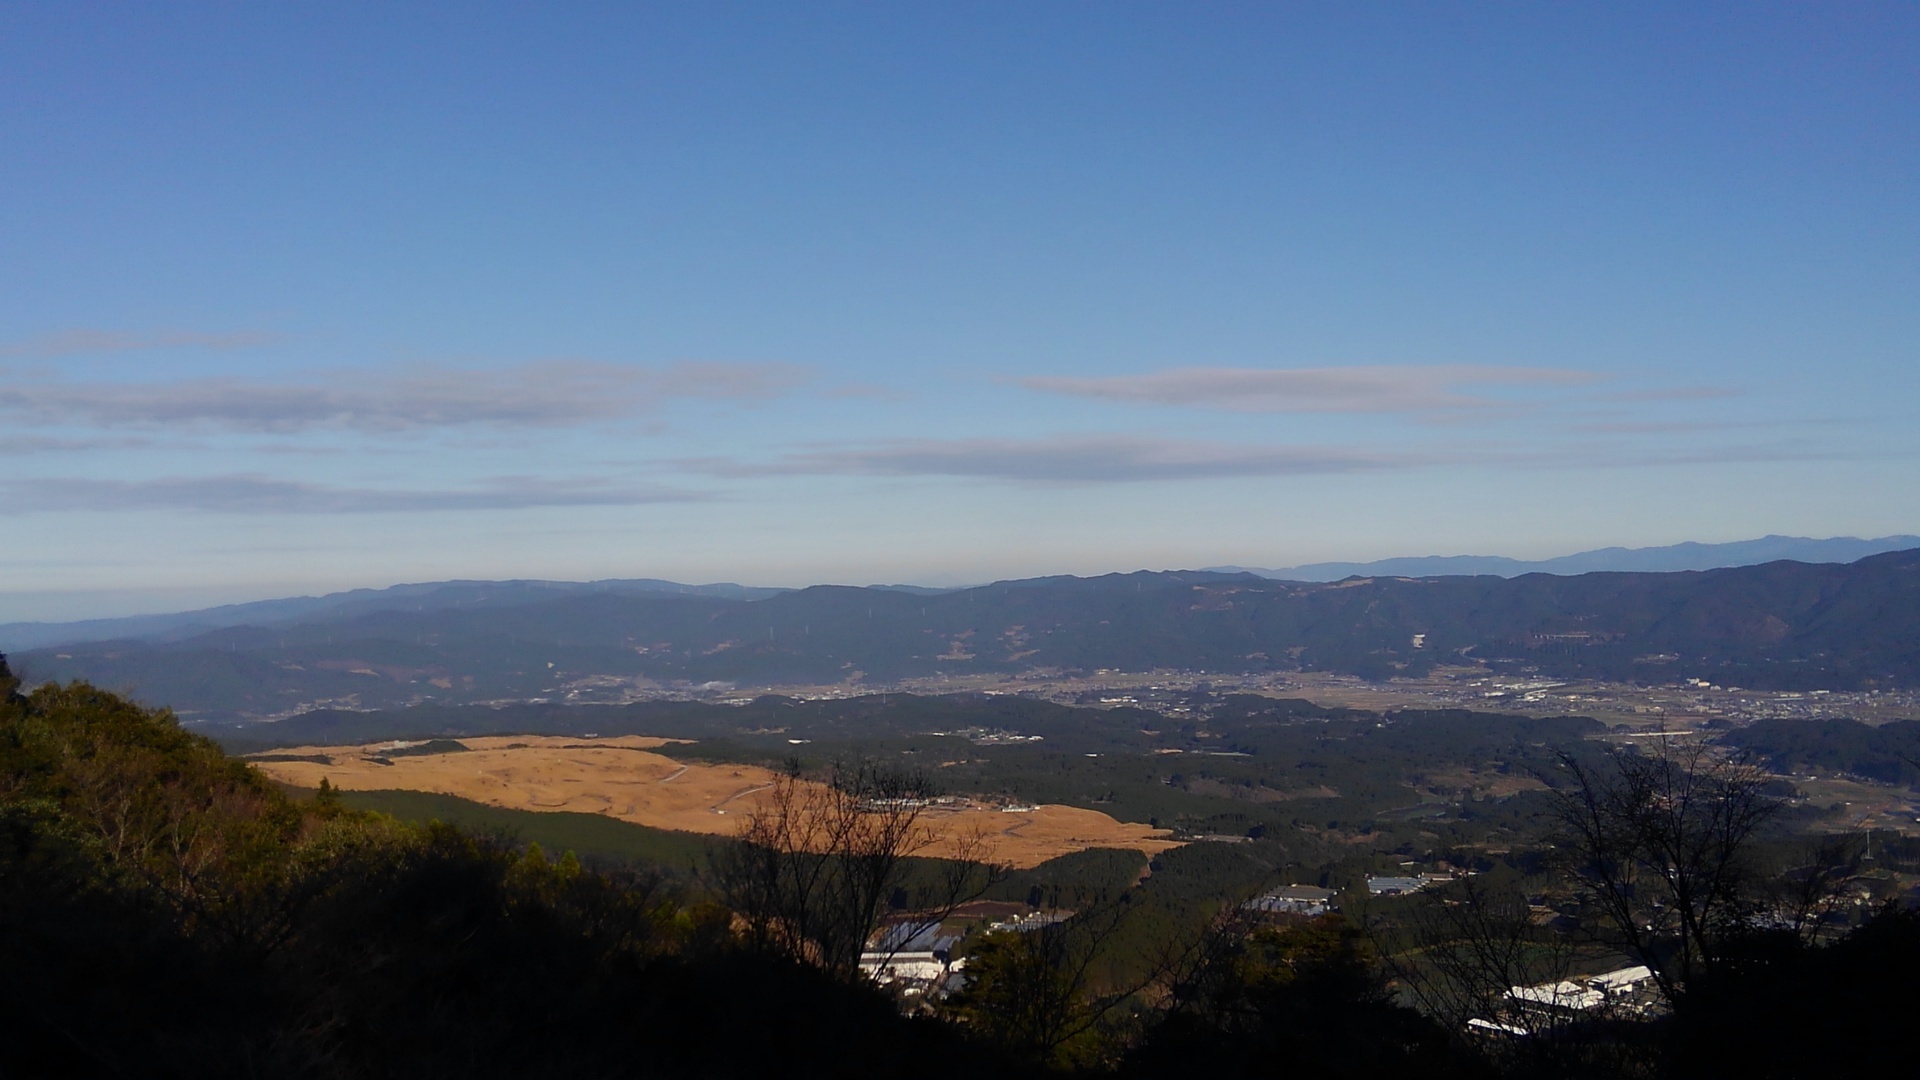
column 455, row 594
column 416, row 597
column 1785, row 624
column 1673, row 557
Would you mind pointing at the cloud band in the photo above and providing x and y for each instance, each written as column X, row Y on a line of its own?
column 545, row 394
column 252, row 494
column 1095, row 459
column 1376, row 389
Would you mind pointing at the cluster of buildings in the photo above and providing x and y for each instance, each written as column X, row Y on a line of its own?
column 916, row 958
column 1313, row 901
column 1309, row 900
column 1400, row 886
column 1033, row 920
column 1621, row 994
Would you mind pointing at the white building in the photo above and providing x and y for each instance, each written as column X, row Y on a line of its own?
column 1294, row 900
column 1621, row 993
column 915, row 958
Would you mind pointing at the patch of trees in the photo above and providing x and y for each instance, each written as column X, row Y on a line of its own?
column 1074, row 881
column 1889, row 753
column 1301, row 997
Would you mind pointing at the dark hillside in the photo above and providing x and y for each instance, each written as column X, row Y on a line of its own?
column 1889, row 754
column 166, row 912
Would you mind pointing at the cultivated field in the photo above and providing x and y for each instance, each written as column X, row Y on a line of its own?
column 621, row 778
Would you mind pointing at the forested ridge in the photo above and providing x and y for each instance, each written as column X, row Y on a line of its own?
column 1778, row 625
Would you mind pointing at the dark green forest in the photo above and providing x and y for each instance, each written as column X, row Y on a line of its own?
column 1889, row 753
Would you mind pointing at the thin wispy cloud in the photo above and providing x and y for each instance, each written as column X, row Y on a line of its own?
column 1076, row 460
column 869, row 392
column 547, row 394
column 1678, row 427
column 255, row 494
column 1616, row 456
column 1367, row 389
column 1677, row 393
column 81, row 341
column 20, row 445
column 1112, row 459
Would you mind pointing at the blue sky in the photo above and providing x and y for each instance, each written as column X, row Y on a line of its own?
column 298, row 297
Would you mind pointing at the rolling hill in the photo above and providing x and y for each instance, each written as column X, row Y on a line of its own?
column 1777, row 625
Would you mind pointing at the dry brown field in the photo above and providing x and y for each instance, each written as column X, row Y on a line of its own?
column 621, row 778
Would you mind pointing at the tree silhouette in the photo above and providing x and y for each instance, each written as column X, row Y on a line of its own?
column 819, row 862
column 1660, row 844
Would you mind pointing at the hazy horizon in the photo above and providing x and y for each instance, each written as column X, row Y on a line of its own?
column 74, row 606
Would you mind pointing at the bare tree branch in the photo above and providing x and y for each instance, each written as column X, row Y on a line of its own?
column 817, row 863
column 1659, row 843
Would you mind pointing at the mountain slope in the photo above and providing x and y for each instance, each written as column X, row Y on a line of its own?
column 1671, row 558
column 1783, row 625
column 418, row 597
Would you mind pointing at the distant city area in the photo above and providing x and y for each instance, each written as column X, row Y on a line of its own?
column 1170, row 693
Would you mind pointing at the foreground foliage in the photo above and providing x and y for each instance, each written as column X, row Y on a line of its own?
column 165, row 911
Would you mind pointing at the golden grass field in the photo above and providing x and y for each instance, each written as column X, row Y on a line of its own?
column 621, row 778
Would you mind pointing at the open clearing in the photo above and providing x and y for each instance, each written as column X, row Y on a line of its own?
column 621, row 778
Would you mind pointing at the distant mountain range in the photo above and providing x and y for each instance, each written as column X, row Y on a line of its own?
column 474, row 595
column 496, row 594
column 1673, row 557
column 1785, row 625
